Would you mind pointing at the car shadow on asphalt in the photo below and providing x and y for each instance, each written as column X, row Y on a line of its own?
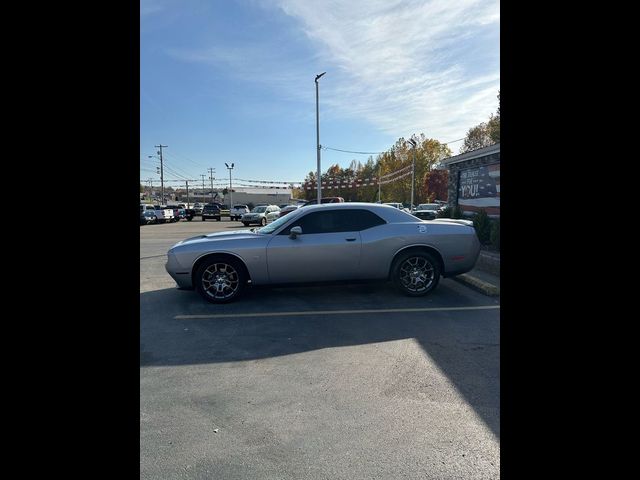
column 464, row 345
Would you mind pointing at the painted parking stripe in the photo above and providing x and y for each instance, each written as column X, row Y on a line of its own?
column 336, row 312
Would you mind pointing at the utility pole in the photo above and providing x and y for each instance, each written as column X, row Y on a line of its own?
column 202, row 188
column 211, row 171
column 413, row 170
column 318, row 137
column 230, row 185
column 161, row 170
column 379, row 179
column 187, row 183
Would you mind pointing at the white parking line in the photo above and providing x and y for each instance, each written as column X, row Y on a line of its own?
column 336, row 312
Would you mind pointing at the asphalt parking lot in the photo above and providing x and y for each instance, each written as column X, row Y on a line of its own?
column 342, row 381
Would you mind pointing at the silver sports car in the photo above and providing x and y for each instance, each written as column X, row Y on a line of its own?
column 324, row 243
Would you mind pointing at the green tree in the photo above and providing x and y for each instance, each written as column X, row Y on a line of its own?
column 484, row 134
column 494, row 124
column 477, row 137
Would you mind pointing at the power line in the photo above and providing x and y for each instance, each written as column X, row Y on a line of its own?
column 378, row 153
column 177, row 174
column 173, row 157
column 349, row 151
column 182, row 157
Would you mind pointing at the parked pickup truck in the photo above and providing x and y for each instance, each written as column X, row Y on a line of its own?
column 183, row 212
column 162, row 214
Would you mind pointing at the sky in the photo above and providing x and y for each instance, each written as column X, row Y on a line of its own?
column 233, row 81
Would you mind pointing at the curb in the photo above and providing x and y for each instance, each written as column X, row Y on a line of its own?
column 478, row 285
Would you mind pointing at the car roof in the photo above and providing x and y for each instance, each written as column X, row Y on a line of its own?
column 388, row 213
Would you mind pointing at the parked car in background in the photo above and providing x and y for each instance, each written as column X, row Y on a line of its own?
column 163, row 214
column 197, row 208
column 147, row 217
column 288, row 209
column 324, row 200
column 176, row 212
column 327, row 243
column 211, row 210
column 427, row 211
column 224, row 210
column 272, row 216
column 258, row 215
column 237, row 211
column 397, row 205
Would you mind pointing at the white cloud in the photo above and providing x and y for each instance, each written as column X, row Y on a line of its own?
column 148, row 7
column 405, row 66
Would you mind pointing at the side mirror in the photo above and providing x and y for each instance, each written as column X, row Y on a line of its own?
column 294, row 232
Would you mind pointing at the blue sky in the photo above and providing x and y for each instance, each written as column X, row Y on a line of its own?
column 233, row 81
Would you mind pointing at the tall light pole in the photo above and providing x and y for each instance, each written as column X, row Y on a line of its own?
column 230, row 186
column 203, row 197
column 318, row 137
column 413, row 170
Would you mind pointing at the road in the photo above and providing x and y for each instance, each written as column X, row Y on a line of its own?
column 343, row 381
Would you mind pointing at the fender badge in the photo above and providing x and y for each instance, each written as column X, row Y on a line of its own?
column 422, row 228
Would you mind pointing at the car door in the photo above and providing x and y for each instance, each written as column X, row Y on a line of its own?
column 327, row 250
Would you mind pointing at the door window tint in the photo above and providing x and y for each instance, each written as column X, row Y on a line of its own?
column 333, row 221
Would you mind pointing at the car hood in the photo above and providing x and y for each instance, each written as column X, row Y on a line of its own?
column 220, row 236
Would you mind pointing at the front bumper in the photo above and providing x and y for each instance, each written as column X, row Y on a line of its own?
column 181, row 275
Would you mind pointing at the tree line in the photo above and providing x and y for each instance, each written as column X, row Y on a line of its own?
column 430, row 183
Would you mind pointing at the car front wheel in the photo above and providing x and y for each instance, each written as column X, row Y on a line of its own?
column 416, row 273
column 220, row 280
column 263, row 222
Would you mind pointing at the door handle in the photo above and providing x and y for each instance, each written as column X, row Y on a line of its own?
column 351, row 239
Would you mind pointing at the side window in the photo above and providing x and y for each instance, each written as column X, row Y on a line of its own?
column 334, row 221
column 364, row 219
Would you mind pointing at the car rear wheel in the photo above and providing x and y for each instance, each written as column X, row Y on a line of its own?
column 245, row 224
column 416, row 273
column 220, row 280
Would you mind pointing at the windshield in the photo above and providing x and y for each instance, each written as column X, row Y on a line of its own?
column 259, row 209
column 428, row 206
column 274, row 225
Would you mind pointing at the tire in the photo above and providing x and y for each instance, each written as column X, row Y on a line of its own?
column 245, row 224
column 203, row 219
column 416, row 273
column 218, row 219
column 231, row 278
column 189, row 219
column 263, row 222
